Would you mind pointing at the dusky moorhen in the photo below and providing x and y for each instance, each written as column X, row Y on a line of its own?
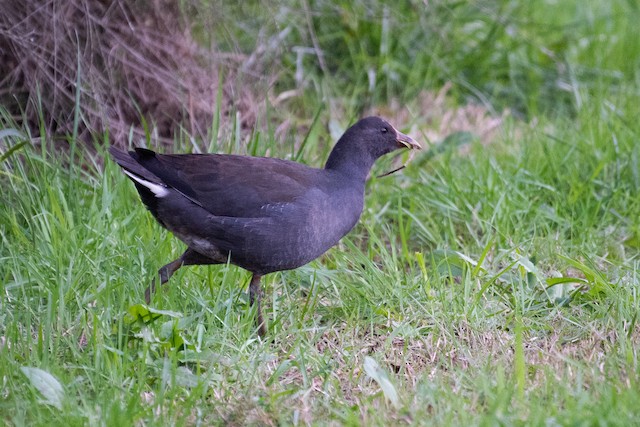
column 259, row 213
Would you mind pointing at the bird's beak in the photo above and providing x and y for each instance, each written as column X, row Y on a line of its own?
column 407, row 141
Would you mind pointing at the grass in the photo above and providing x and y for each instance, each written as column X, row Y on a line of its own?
column 494, row 281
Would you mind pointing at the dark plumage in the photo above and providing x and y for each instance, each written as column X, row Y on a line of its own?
column 263, row 214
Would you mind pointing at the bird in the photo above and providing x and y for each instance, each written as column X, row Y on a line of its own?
column 259, row 213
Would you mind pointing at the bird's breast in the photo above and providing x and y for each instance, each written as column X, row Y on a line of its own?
column 320, row 225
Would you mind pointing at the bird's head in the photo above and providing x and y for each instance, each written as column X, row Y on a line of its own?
column 366, row 141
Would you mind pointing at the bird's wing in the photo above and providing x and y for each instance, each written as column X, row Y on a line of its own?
column 228, row 185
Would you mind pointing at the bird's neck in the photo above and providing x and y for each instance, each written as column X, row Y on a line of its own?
column 350, row 162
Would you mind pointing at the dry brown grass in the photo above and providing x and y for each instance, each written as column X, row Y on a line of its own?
column 134, row 61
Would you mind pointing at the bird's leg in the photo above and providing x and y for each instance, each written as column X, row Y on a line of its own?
column 189, row 257
column 165, row 274
column 255, row 296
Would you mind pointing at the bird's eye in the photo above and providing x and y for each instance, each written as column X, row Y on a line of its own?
column 384, row 130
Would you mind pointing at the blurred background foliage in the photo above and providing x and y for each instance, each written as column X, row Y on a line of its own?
column 167, row 66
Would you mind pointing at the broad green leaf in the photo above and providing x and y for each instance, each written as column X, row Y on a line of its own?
column 146, row 314
column 373, row 370
column 47, row 385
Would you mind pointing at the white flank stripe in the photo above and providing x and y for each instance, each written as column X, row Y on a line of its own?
column 157, row 189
